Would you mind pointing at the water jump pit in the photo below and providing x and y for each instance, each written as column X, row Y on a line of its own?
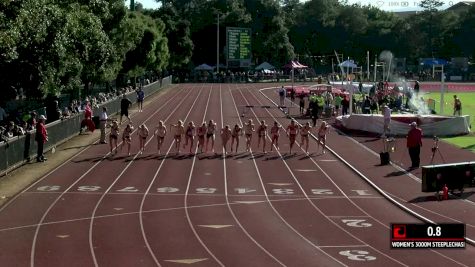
column 431, row 125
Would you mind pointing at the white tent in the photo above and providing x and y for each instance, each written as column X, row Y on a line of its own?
column 265, row 66
column 348, row 64
column 204, row 67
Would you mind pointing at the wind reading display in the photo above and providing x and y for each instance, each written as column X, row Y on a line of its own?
column 239, row 46
column 427, row 236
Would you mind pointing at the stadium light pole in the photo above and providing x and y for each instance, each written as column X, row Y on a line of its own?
column 217, row 44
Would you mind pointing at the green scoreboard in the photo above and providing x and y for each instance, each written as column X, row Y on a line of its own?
column 238, row 42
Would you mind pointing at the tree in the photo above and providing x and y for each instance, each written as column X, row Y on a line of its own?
column 430, row 7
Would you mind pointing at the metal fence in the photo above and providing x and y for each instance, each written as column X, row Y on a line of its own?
column 20, row 150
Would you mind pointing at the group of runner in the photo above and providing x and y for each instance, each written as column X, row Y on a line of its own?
column 206, row 135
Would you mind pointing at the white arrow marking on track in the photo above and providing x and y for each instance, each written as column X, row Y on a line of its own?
column 62, row 236
column 280, row 184
column 187, row 261
column 248, row 202
column 216, row 226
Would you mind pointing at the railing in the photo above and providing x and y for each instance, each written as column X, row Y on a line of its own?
column 20, row 150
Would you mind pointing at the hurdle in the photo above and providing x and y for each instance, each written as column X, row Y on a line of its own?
column 244, row 110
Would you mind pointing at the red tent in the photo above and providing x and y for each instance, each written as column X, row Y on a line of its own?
column 294, row 65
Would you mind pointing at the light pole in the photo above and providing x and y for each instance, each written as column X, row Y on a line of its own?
column 217, row 46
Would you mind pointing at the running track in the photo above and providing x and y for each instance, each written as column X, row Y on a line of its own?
column 248, row 209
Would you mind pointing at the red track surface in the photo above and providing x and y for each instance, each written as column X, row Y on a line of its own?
column 245, row 210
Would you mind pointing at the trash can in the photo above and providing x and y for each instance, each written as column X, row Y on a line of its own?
column 388, row 147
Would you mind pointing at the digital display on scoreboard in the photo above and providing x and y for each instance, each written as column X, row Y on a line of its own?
column 430, row 236
column 238, row 42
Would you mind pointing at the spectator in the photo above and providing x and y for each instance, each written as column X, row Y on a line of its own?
column 414, row 143
column 41, row 138
column 87, row 119
column 103, row 121
column 31, row 122
column 140, row 98
column 124, row 108
column 457, row 106
column 66, row 113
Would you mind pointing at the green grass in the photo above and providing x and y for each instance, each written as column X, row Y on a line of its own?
column 468, row 108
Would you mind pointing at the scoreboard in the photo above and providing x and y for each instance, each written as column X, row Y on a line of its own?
column 238, row 43
column 427, row 235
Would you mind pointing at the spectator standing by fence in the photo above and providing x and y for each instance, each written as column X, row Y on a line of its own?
column 41, row 138
column 103, row 118
column 140, row 98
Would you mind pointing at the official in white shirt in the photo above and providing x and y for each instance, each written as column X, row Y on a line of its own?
column 102, row 124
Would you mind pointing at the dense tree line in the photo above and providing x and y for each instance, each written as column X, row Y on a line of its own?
column 51, row 46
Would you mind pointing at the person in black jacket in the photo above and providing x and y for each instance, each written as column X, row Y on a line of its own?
column 124, row 108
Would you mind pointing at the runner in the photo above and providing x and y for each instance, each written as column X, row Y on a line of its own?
column 249, row 129
column 304, row 132
column 210, row 134
column 143, row 134
column 160, row 132
column 179, row 130
column 225, row 135
column 201, row 131
column 262, row 134
column 274, row 131
column 114, row 134
column 292, row 131
column 322, row 136
column 190, row 135
column 127, row 137
column 235, row 134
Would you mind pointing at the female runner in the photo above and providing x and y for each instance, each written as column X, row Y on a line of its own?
column 262, row 134
column 201, row 131
column 274, row 131
column 322, row 136
column 249, row 129
column 235, row 134
column 127, row 137
column 160, row 132
column 114, row 135
column 178, row 132
column 190, row 135
column 143, row 134
column 292, row 131
column 304, row 132
column 210, row 134
column 225, row 135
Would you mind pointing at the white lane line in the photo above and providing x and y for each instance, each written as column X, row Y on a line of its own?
column 91, row 223
column 275, row 210
column 226, row 187
column 342, row 192
column 185, row 201
column 142, row 228
column 56, row 168
column 382, row 192
column 33, row 245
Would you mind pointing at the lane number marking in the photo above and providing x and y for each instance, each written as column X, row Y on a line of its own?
column 356, row 223
column 357, row 255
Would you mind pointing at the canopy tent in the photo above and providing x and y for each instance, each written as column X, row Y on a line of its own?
column 433, row 61
column 348, row 64
column 265, row 66
column 204, row 67
column 294, row 65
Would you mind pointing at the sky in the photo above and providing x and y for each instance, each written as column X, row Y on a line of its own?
column 388, row 5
